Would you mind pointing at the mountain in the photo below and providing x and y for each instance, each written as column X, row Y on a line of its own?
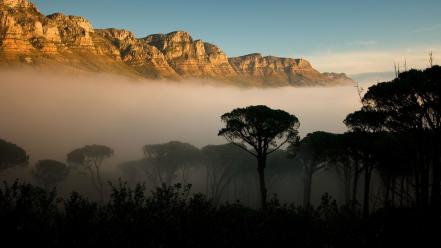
column 275, row 71
column 27, row 37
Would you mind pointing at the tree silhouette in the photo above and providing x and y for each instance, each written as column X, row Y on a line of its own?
column 411, row 104
column 365, row 120
column 91, row 158
column 223, row 163
column 264, row 130
column 133, row 171
column 11, row 155
column 395, row 165
column 363, row 142
column 164, row 161
column 279, row 168
column 408, row 106
column 313, row 152
column 49, row 173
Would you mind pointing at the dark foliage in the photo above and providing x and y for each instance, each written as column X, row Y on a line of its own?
column 400, row 124
column 11, row 155
column 170, row 217
column 49, row 172
column 260, row 131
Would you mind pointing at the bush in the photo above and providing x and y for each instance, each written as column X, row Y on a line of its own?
column 171, row 216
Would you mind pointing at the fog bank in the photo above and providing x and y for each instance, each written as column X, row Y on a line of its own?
column 50, row 114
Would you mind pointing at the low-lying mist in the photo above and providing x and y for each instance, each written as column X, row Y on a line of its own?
column 49, row 114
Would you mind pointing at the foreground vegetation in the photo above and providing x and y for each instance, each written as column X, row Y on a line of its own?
column 171, row 217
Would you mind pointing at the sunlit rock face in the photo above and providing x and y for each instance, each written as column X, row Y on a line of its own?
column 29, row 37
column 75, row 32
column 20, row 24
column 17, row 3
column 138, row 54
column 282, row 71
column 192, row 58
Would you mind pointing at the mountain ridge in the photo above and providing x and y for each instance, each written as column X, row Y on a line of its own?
column 27, row 37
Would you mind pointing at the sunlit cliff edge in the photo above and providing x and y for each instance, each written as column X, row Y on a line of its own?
column 27, row 37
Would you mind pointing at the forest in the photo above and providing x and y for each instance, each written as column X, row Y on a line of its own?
column 387, row 167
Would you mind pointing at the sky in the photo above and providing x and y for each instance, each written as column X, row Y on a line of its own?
column 342, row 36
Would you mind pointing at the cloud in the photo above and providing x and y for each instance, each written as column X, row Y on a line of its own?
column 356, row 62
column 427, row 28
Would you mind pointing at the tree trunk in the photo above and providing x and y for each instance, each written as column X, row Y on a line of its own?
column 307, row 187
column 93, row 178
column 207, row 181
column 355, row 187
column 417, row 178
column 425, row 185
column 387, row 191
column 347, row 173
column 100, row 184
column 261, row 160
column 348, row 190
column 436, row 176
column 367, row 185
column 392, row 203
column 408, row 197
column 402, row 191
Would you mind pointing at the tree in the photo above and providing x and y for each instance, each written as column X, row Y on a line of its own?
column 133, row 170
column 264, row 131
column 164, row 161
column 363, row 142
column 11, row 155
column 409, row 105
column 91, row 158
column 395, row 161
column 50, row 172
column 223, row 163
column 279, row 169
column 365, row 120
column 344, row 161
column 313, row 154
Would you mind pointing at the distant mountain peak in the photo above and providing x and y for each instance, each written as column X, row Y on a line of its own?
column 29, row 37
column 17, row 3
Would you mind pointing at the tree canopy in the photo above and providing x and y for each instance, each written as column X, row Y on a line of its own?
column 89, row 155
column 11, row 155
column 50, row 172
column 408, row 103
column 163, row 161
column 260, row 127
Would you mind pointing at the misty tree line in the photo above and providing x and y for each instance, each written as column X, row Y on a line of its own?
column 226, row 169
column 394, row 136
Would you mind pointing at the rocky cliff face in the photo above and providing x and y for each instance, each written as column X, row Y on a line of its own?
column 73, row 32
column 275, row 71
column 29, row 37
column 192, row 59
column 20, row 25
column 138, row 54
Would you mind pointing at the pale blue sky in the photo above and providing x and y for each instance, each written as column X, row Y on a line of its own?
column 327, row 32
